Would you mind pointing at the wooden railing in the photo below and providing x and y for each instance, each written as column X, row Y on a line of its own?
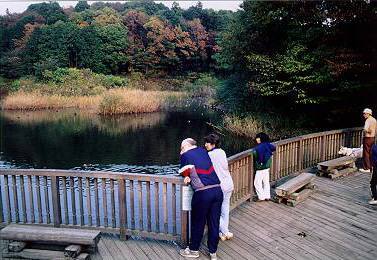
column 298, row 153
column 127, row 204
column 140, row 204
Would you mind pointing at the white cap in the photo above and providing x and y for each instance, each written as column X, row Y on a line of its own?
column 367, row 111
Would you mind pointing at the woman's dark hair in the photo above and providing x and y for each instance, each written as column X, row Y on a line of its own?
column 263, row 137
column 212, row 139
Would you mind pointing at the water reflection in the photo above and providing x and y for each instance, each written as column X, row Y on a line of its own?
column 68, row 139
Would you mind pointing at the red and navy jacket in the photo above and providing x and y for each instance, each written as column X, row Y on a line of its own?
column 203, row 174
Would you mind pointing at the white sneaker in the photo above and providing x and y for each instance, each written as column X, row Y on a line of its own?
column 373, row 202
column 222, row 237
column 363, row 170
column 213, row 256
column 189, row 253
column 229, row 235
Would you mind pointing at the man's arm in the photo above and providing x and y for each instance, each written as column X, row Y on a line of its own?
column 367, row 127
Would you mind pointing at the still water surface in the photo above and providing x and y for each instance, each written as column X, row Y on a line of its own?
column 68, row 139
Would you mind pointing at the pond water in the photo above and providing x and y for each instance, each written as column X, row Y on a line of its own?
column 69, row 139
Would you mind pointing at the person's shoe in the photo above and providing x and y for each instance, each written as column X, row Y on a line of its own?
column 373, row 202
column 364, row 170
column 267, row 199
column 229, row 235
column 258, row 200
column 222, row 237
column 213, row 256
column 189, row 253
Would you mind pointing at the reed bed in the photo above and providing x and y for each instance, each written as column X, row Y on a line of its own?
column 110, row 102
column 275, row 126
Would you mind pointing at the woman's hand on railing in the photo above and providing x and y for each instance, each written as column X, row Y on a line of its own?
column 187, row 180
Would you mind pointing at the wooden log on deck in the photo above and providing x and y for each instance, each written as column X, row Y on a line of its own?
column 83, row 256
column 339, row 173
column 301, row 196
column 344, row 161
column 62, row 236
column 72, row 251
column 16, row 246
column 294, row 184
column 35, row 254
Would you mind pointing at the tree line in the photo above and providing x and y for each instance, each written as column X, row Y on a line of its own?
column 298, row 52
column 109, row 38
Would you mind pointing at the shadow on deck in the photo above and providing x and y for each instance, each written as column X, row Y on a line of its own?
column 335, row 223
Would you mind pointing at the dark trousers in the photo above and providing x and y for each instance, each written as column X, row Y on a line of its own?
column 206, row 207
column 373, row 183
column 367, row 147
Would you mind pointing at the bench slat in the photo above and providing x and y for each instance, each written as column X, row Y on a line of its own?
column 49, row 234
column 294, row 184
column 345, row 160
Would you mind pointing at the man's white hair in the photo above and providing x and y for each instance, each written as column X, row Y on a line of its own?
column 367, row 111
column 188, row 141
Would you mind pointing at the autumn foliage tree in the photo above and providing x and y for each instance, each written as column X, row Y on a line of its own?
column 106, row 37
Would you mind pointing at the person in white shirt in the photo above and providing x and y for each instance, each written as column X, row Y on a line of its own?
column 370, row 128
column 220, row 163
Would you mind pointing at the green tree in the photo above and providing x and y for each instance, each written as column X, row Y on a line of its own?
column 82, row 6
column 301, row 51
column 52, row 12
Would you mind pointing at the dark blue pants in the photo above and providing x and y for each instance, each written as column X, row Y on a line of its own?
column 206, row 207
column 373, row 182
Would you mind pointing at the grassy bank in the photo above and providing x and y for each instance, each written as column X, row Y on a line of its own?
column 84, row 89
column 109, row 102
column 277, row 127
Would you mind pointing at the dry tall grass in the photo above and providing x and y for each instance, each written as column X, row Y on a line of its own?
column 35, row 101
column 276, row 127
column 116, row 101
column 122, row 101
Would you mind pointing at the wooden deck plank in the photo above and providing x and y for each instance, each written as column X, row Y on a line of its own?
column 340, row 240
column 159, row 250
column 278, row 235
column 324, row 229
column 103, row 251
column 124, row 249
column 312, row 241
column 136, row 250
column 286, row 233
column 114, row 251
column 342, row 219
column 264, row 239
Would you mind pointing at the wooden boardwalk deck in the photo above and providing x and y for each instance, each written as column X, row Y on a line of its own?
column 335, row 223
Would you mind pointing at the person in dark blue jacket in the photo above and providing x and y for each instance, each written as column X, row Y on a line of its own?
column 207, row 199
column 373, row 181
column 262, row 154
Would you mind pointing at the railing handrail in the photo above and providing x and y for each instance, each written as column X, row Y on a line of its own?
column 295, row 139
column 171, row 178
column 318, row 134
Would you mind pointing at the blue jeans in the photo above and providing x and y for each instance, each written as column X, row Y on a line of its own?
column 206, row 207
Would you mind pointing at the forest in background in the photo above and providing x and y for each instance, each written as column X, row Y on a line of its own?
column 314, row 56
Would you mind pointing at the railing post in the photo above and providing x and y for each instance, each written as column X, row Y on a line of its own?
column 122, row 208
column 323, row 148
column 184, row 223
column 56, row 201
column 301, row 155
column 1, row 207
column 251, row 175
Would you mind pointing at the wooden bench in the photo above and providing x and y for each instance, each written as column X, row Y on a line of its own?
column 338, row 167
column 74, row 241
column 295, row 190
